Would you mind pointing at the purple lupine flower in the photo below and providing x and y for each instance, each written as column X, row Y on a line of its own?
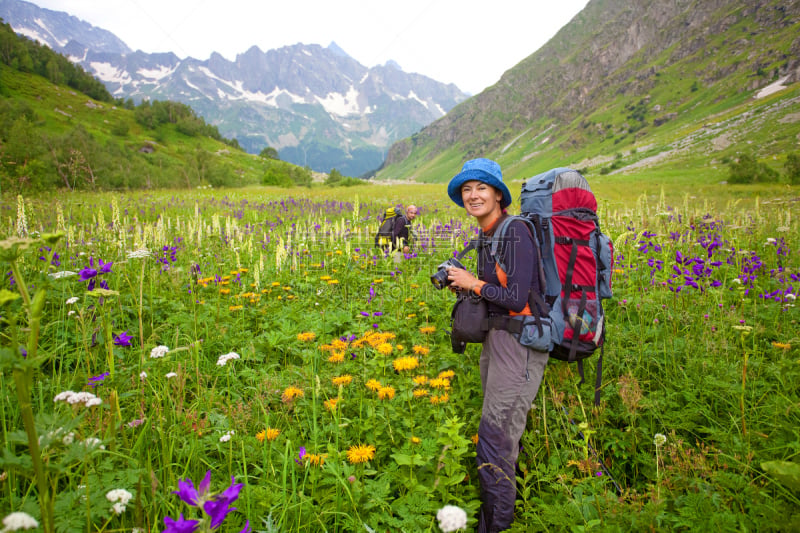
column 364, row 313
column 123, row 339
column 377, row 313
column 180, row 525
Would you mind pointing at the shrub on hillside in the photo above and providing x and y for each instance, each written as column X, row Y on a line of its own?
column 748, row 170
column 792, row 167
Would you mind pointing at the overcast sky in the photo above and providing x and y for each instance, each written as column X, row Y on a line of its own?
column 466, row 42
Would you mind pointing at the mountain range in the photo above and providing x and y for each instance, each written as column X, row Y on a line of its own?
column 317, row 106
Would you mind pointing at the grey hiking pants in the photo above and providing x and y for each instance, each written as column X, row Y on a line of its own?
column 510, row 377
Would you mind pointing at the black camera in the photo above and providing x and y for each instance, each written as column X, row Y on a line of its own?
column 439, row 279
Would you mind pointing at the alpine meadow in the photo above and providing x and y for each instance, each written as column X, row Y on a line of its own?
column 194, row 338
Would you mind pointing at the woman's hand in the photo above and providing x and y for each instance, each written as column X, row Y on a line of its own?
column 461, row 279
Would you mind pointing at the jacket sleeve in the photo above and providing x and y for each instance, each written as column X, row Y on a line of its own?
column 518, row 254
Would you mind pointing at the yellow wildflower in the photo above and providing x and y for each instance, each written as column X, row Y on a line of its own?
column 360, row 453
column 333, row 282
column 426, row 330
column 415, row 440
column 420, row 380
column 781, row 345
column 330, row 404
column 224, row 291
column 412, row 315
column 373, row 384
column 421, row 350
column 272, row 433
column 447, row 374
column 290, row 393
column 306, row 336
column 336, row 357
column 474, row 439
column 276, row 283
column 261, row 435
column 440, row 399
column 440, row 383
column 405, row 363
column 386, row 393
column 235, row 308
column 384, row 348
column 315, row 459
column 344, row 379
column 419, row 393
column 324, row 278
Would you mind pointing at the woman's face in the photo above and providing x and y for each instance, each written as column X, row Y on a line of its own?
column 480, row 199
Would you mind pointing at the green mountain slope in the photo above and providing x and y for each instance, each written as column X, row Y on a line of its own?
column 52, row 135
column 643, row 86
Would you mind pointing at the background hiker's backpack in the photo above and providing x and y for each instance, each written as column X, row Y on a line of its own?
column 577, row 259
column 383, row 238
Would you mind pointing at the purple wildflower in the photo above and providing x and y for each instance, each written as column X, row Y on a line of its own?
column 94, row 381
column 180, row 525
column 189, row 495
column 123, row 339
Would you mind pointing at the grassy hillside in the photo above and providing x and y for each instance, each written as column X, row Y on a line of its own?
column 634, row 88
column 53, row 135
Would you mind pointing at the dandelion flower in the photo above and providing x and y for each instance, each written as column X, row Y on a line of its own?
column 306, row 336
column 291, row 393
column 336, row 357
column 373, row 384
column 451, row 518
column 272, row 434
column 427, row 330
column 405, row 363
column 415, row 440
column 421, row 350
column 360, row 453
column 386, row 393
column 344, row 379
column 261, row 435
column 659, row 439
column 419, row 393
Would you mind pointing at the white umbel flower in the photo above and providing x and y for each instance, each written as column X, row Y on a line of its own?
column 158, row 352
column 659, row 439
column 19, row 520
column 451, row 518
column 120, row 499
column 223, row 359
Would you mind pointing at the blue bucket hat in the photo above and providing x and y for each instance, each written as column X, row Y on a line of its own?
column 484, row 170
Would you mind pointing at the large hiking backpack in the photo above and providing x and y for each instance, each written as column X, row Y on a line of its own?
column 576, row 264
column 577, row 258
column 383, row 238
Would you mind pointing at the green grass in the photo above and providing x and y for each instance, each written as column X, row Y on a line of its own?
column 251, row 270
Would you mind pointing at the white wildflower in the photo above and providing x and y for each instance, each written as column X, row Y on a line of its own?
column 93, row 443
column 771, row 240
column 451, row 518
column 143, row 375
column 62, row 274
column 139, row 254
column 72, row 398
column 227, row 436
column 72, row 300
column 223, row 359
column 171, row 375
column 659, row 439
column 68, row 439
column 791, row 297
column 119, row 495
column 71, row 312
column 158, row 351
column 19, row 520
column 120, row 498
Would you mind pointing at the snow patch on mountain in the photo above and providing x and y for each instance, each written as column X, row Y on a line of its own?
column 341, row 104
column 109, row 73
column 156, row 74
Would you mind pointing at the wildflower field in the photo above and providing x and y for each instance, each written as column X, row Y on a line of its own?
column 246, row 360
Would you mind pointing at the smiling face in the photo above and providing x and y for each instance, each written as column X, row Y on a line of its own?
column 481, row 200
